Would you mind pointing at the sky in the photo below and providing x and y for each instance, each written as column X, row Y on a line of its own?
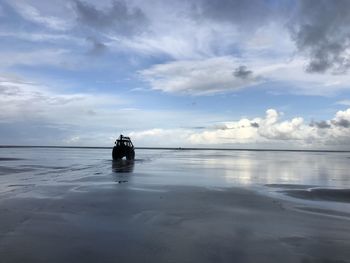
column 186, row 73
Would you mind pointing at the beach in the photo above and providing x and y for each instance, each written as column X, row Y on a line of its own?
column 77, row 205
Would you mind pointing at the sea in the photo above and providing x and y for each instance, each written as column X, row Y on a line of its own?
column 22, row 170
column 173, row 205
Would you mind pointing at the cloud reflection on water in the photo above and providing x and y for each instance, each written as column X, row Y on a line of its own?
column 234, row 168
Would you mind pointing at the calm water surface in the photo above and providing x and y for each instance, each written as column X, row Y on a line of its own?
column 32, row 167
column 77, row 205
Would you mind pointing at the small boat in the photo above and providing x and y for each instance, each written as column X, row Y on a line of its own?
column 123, row 148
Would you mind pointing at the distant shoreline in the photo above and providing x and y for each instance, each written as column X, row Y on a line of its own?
column 176, row 148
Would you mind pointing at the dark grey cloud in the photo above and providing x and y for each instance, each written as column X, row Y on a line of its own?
column 320, row 29
column 242, row 13
column 254, row 124
column 242, row 72
column 119, row 17
column 341, row 123
column 320, row 125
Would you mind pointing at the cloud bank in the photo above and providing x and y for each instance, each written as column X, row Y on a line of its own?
column 263, row 132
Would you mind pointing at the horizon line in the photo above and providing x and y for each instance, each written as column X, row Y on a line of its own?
column 176, row 148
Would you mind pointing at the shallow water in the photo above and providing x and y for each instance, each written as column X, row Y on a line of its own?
column 41, row 166
column 25, row 170
column 77, row 205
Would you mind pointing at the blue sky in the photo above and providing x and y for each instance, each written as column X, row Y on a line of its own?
column 228, row 73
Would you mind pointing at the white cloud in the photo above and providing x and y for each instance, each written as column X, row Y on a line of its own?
column 204, row 55
column 344, row 102
column 267, row 132
column 35, row 114
column 198, row 77
column 294, row 129
column 205, row 35
column 54, row 57
column 21, row 99
column 93, row 119
column 191, row 41
column 342, row 119
column 78, row 118
column 258, row 130
column 201, row 37
column 217, row 75
column 32, row 14
column 43, row 37
column 291, row 76
column 204, row 51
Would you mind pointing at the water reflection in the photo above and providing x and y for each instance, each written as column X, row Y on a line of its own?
column 123, row 166
column 228, row 168
column 169, row 167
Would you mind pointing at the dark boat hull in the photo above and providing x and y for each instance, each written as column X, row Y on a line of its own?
column 119, row 153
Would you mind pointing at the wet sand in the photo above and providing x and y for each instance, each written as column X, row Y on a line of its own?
column 120, row 223
column 167, row 210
